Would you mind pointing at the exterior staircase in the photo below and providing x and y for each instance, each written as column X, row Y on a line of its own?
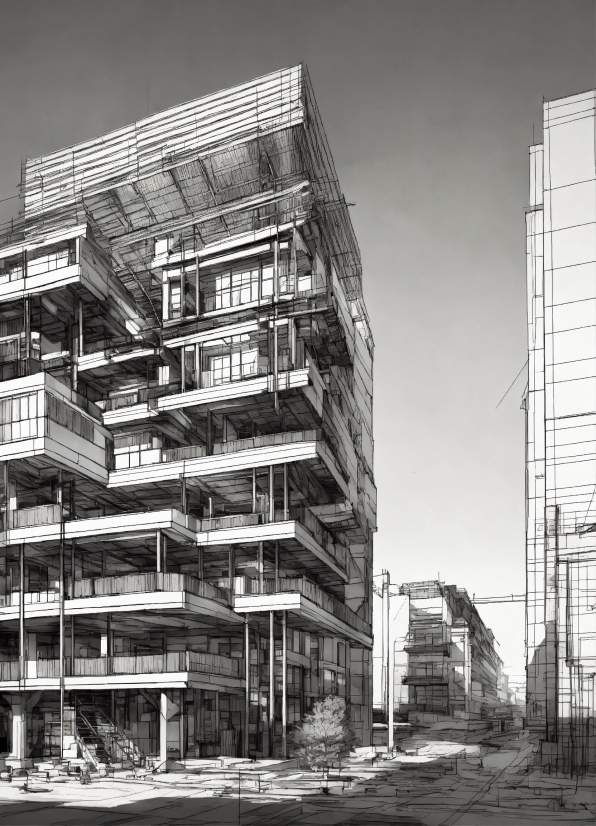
column 101, row 740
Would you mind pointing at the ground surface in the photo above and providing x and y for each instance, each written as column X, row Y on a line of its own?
column 447, row 782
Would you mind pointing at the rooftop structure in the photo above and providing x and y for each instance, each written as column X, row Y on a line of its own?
column 188, row 499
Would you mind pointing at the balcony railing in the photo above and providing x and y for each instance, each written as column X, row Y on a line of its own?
column 31, row 597
column 141, row 396
column 268, row 440
column 146, row 583
column 39, row 515
column 194, row 661
column 308, row 589
column 238, row 520
column 9, row 670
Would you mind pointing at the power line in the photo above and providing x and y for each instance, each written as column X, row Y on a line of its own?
column 512, row 383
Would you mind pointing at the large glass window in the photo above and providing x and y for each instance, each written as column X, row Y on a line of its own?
column 18, row 417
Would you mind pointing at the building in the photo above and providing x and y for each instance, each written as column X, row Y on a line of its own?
column 453, row 669
column 185, row 403
column 560, row 405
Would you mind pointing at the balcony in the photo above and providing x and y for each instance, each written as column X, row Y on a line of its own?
column 145, row 584
column 332, row 613
column 39, row 415
column 177, row 665
column 63, row 263
column 39, row 515
column 236, row 455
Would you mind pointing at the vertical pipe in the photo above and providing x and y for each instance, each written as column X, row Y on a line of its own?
column 61, row 640
column 286, row 494
column 254, row 490
column 200, row 561
column 197, row 288
column 295, row 260
column 217, row 715
column 158, row 551
column 277, row 565
column 390, row 688
column 23, row 664
column 164, row 553
column 209, row 426
column 275, row 270
column 271, row 680
column 183, row 496
column 261, row 567
column 246, row 685
column 72, row 644
column 284, row 686
column 384, row 641
column 27, row 325
column 232, row 568
column 197, row 366
column 73, row 545
column 275, row 368
column 272, row 493
column 81, row 335
column 182, row 369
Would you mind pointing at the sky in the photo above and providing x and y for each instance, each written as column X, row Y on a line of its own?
column 429, row 107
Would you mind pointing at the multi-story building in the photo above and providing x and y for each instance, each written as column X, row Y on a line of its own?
column 560, row 405
column 186, row 409
column 452, row 666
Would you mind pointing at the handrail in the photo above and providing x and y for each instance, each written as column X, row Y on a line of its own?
column 148, row 583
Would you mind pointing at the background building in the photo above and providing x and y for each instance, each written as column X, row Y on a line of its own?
column 452, row 666
column 560, row 406
column 186, row 438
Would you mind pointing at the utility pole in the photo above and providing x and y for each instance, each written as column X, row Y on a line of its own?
column 387, row 669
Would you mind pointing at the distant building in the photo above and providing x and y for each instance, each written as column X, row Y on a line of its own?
column 452, row 666
column 560, row 405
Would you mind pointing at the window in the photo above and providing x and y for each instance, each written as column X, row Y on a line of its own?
column 329, row 681
column 235, row 288
column 49, row 259
column 18, row 418
column 233, row 366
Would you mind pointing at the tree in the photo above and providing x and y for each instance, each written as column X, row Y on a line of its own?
column 325, row 737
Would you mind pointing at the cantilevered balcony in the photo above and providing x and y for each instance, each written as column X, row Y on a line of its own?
column 178, row 669
column 41, row 417
column 147, row 403
column 234, row 456
column 302, row 597
column 129, row 593
column 298, row 527
column 32, row 269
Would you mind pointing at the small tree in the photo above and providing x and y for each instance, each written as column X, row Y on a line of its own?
column 325, row 736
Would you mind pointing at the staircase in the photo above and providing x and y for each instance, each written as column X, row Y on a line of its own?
column 101, row 740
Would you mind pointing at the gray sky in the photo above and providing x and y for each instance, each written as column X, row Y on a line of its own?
column 429, row 108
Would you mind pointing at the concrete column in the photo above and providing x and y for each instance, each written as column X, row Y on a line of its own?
column 158, row 551
column 272, row 493
column 277, row 565
column 286, row 494
column 19, row 728
column 284, row 687
column 200, row 562
column 246, row 686
column 271, row 680
column 22, row 653
column 261, row 567
column 163, row 729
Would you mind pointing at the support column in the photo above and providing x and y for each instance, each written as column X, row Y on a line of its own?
column 18, row 730
column 231, row 567
column 158, row 551
column 261, row 567
column 183, row 496
column 390, row 692
column 254, row 490
column 272, row 493
column 200, row 561
column 286, row 494
column 284, row 686
column 276, row 565
column 163, row 729
column 61, row 615
column 246, row 687
column 271, row 680
column 22, row 653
